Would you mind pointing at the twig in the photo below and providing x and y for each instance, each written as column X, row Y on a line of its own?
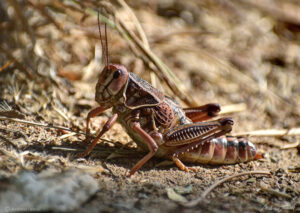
column 265, row 188
column 294, row 169
column 65, row 148
column 50, row 126
column 290, row 146
column 67, row 135
column 5, row 65
column 103, row 150
column 40, row 124
column 270, row 132
column 20, row 66
column 212, row 187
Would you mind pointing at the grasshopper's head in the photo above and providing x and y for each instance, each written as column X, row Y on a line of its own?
column 112, row 79
column 111, row 83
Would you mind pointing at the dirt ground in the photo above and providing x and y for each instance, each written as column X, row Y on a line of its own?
column 244, row 55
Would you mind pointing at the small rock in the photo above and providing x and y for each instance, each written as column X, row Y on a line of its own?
column 47, row 191
column 174, row 196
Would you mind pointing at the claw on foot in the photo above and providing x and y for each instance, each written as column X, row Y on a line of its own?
column 188, row 169
column 182, row 166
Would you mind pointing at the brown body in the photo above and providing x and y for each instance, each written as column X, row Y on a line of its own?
column 159, row 125
column 159, row 117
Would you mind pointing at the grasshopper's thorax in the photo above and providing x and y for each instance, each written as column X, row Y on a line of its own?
column 155, row 116
column 139, row 93
column 111, row 84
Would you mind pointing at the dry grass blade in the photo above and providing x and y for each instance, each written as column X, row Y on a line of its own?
column 137, row 23
column 212, row 187
column 291, row 146
column 233, row 108
column 39, row 124
column 270, row 132
column 165, row 73
column 50, row 126
column 7, row 64
column 7, row 111
column 142, row 35
column 294, row 169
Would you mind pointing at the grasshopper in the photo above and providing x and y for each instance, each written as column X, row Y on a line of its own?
column 160, row 126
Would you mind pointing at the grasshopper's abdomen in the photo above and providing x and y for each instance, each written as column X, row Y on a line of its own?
column 222, row 150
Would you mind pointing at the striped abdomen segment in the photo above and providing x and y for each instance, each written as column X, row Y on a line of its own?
column 222, row 150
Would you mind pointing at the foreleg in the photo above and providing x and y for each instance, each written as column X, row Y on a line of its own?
column 93, row 113
column 105, row 128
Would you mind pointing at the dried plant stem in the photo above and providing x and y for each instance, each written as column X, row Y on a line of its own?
column 175, row 85
column 51, row 126
column 20, row 66
column 137, row 23
column 212, row 187
column 290, row 146
column 142, row 35
column 270, row 132
column 5, row 65
column 39, row 124
column 233, row 108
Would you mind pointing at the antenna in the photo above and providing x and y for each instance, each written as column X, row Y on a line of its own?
column 104, row 46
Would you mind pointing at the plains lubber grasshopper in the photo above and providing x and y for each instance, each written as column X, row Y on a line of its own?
column 159, row 125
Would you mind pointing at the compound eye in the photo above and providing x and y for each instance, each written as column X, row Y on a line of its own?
column 117, row 74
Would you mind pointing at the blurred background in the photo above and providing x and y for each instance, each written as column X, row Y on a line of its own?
column 243, row 54
column 239, row 52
